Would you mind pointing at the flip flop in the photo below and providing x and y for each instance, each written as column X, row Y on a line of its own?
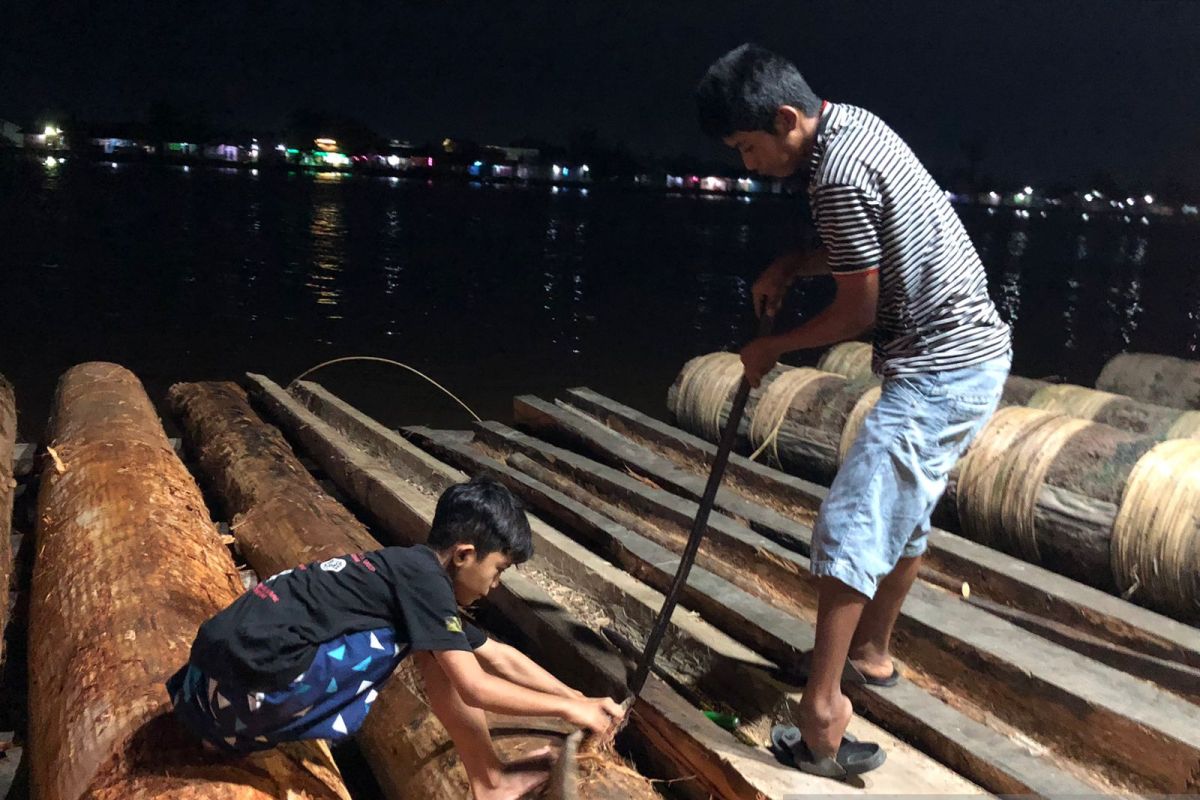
column 853, row 757
column 850, row 673
column 853, row 674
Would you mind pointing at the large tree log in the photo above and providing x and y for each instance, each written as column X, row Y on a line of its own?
column 128, row 566
column 783, row 507
column 283, row 518
column 8, row 440
column 397, row 484
column 1030, row 682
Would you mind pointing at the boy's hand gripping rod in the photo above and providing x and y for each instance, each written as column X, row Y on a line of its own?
column 699, row 525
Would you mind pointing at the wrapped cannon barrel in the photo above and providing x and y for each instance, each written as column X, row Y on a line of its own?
column 8, row 438
column 848, row 359
column 797, row 413
column 1119, row 411
column 1163, row 380
column 1043, row 486
column 128, row 566
column 803, row 419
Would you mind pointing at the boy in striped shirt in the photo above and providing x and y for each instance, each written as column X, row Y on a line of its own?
column 904, row 266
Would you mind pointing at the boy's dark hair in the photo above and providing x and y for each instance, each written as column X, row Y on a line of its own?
column 743, row 90
column 484, row 513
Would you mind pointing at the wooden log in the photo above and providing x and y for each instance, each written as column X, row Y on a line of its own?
column 8, row 440
column 397, row 483
column 1163, row 380
column 283, row 518
column 1032, row 683
column 128, row 566
column 772, row 501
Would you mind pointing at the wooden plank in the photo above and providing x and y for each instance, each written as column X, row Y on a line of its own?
column 285, row 520
column 561, row 422
column 397, row 484
column 1034, row 684
column 989, row 572
column 971, row 748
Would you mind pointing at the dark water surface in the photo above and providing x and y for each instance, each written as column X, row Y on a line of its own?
column 492, row 290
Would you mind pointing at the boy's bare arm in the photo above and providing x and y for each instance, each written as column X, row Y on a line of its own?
column 851, row 313
column 481, row 689
column 510, row 663
column 770, row 287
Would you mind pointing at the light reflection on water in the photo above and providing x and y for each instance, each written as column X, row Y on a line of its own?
column 496, row 293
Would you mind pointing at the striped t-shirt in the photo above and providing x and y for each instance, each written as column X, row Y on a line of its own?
column 876, row 207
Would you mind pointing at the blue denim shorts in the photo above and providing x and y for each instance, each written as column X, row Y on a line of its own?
column 878, row 508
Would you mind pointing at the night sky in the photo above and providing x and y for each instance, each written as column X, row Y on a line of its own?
column 1058, row 89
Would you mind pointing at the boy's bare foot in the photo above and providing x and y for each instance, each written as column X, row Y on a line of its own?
column 822, row 725
column 872, row 663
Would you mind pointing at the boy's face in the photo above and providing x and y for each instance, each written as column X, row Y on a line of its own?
column 474, row 577
column 775, row 154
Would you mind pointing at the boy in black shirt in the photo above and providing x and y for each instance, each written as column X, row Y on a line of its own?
column 303, row 654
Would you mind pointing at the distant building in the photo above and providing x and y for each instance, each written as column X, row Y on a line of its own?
column 10, row 134
column 115, row 145
column 233, row 153
column 182, row 149
column 517, row 155
column 51, row 138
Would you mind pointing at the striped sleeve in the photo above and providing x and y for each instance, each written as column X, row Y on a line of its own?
column 848, row 223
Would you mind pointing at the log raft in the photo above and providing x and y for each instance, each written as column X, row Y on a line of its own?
column 752, row 633
column 128, row 566
column 282, row 517
column 1007, row 672
column 688, row 744
column 396, row 483
column 774, row 503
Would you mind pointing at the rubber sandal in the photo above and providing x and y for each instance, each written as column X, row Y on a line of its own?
column 850, row 674
column 853, row 757
column 853, row 674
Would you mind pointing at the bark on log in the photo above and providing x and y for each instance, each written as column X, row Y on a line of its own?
column 8, row 440
column 283, row 518
column 1164, row 380
column 128, row 566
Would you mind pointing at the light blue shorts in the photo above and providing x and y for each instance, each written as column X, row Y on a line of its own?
column 878, row 508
